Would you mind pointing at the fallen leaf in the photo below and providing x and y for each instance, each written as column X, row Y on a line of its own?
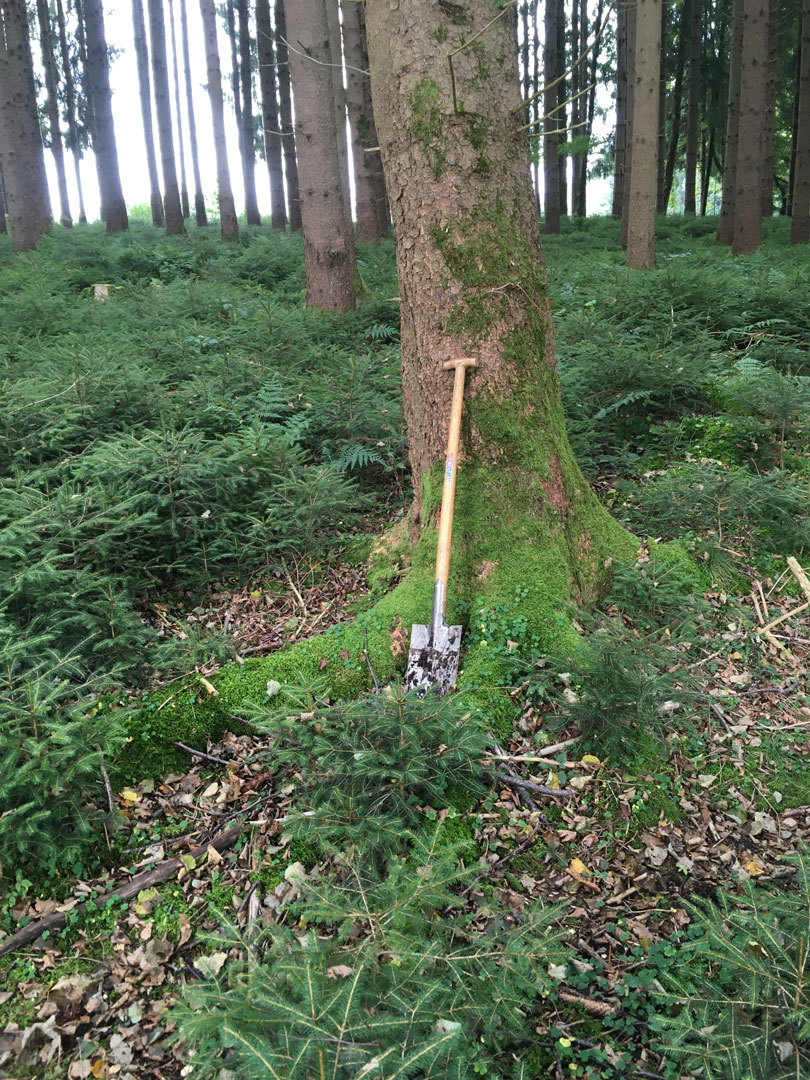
column 578, row 867
column 129, row 796
column 339, row 971
column 210, row 966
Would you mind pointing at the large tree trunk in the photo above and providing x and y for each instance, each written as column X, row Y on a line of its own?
column 145, row 91
column 769, row 121
column 339, row 98
column 620, row 145
column 631, row 89
column 228, row 222
column 113, row 207
column 160, row 78
column 641, row 208
column 21, row 158
column 270, row 117
column 660, row 181
column 70, row 108
column 472, row 283
column 794, row 137
column 199, row 202
column 358, row 97
column 725, row 226
column 179, row 114
column 800, row 223
column 747, row 234
column 286, row 113
column 246, row 81
column 52, row 104
column 328, row 234
column 551, row 138
column 693, row 106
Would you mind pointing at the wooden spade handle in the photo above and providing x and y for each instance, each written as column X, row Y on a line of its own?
column 449, row 489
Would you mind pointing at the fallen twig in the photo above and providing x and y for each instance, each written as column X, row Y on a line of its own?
column 126, row 891
column 201, row 754
column 523, row 845
column 541, row 789
column 799, row 574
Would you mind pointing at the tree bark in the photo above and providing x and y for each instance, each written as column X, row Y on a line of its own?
column 631, row 89
column 113, row 207
column 536, row 100
column 769, row 115
column 270, row 118
column 562, row 115
column 70, row 108
column 286, row 113
column 725, row 226
column 472, row 283
column 160, row 79
column 661, row 156
column 179, row 113
column 246, row 80
column 228, row 221
column 52, row 104
column 199, row 202
column 357, row 99
column 328, row 234
column 747, row 234
column 641, row 209
column 693, row 106
column 551, row 138
column 620, row 142
column 800, row 222
column 339, row 98
column 794, row 138
column 145, row 91
column 21, row 157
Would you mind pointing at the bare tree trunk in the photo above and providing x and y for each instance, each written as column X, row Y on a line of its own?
column 620, row 148
column 800, row 223
column 180, row 140
column 285, row 110
column 769, row 118
column 160, row 80
column 536, row 100
column 199, row 202
column 70, row 108
column 21, row 158
column 594, row 68
column 339, row 98
column 706, row 173
column 228, row 222
column 145, row 91
column 794, row 138
column 641, row 210
column 661, row 156
column 725, row 227
column 52, row 105
column 248, row 151
column 464, row 234
column 357, row 98
column 632, row 19
column 270, row 118
column 113, row 207
column 693, row 105
column 328, row 234
column 748, row 203
column 677, row 102
column 373, row 155
column 562, row 115
column 551, row 138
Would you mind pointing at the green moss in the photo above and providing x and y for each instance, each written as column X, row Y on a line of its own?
column 426, row 121
column 458, row 830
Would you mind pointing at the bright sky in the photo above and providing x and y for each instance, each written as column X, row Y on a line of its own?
column 129, row 128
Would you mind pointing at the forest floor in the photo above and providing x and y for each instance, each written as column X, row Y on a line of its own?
column 674, row 771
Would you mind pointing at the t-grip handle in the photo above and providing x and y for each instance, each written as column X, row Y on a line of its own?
column 449, row 491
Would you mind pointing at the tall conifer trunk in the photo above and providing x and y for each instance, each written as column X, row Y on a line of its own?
column 800, row 223
column 631, row 89
column 677, row 102
column 472, row 283
column 270, row 116
column 358, row 98
column 725, row 226
column 228, row 223
column 145, row 92
column 661, row 155
column 562, row 106
column 693, row 106
column 3, row 209
column 339, row 98
column 113, row 207
column 199, row 202
column 328, row 234
column 21, row 157
column 551, row 138
column 246, row 82
column 70, row 108
column 769, row 114
column 181, row 147
column 286, row 115
column 620, row 139
column 52, row 104
column 641, row 208
column 160, row 79
column 794, row 138
column 747, row 235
